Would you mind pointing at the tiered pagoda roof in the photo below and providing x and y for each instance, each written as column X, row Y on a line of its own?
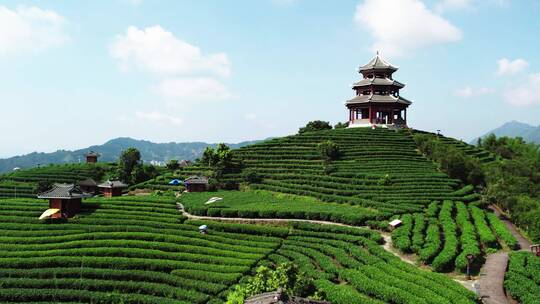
column 377, row 63
column 375, row 98
column 377, row 85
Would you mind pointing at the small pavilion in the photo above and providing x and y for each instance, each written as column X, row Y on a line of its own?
column 377, row 100
column 196, row 183
column 88, row 185
column 92, row 157
column 64, row 201
column 112, row 188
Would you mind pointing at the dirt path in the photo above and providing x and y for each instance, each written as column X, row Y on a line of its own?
column 386, row 236
column 491, row 281
column 260, row 220
column 523, row 242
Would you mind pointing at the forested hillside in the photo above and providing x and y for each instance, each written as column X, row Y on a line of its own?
column 110, row 151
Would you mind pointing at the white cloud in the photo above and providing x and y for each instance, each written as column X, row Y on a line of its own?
column 468, row 92
column 452, row 5
column 525, row 94
column 30, row 29
column 160, row 118
column 401, row 26
column 507, row 67
column 192, row 89
column 159, row 51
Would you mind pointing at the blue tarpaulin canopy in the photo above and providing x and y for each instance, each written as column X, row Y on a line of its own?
column 175, row 182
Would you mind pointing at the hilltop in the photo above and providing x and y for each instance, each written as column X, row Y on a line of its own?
column 146, row 249
column 110, row 151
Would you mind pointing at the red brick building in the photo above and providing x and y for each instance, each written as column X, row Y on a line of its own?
column 112, row 188
column 377, row 100
column 92, row 157
column 64, row 201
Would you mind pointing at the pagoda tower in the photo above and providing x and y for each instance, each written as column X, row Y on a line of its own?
column 377, row 100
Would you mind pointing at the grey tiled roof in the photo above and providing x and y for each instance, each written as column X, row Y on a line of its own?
column 92, row 153
column 196, row 180
column 112, row 184
column 64, row 191
column 88, row 182
column 377, row 63
column 378, row 81
column 374, row 98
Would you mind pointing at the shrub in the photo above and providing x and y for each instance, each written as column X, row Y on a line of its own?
column 316, row 125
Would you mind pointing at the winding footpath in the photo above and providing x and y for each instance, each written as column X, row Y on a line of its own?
column 386, row 236
column 491, row 283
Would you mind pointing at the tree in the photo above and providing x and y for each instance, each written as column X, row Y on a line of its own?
column 251, row 176
column 341, row 125
column 329, row 150
column 43, row 185
column 128, row 160
column 220, row 160
column 316, row 125
column 142, row 173
column 285, row 276
column 173, row 164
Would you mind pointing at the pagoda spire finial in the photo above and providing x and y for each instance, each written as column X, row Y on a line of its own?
column 377, row 52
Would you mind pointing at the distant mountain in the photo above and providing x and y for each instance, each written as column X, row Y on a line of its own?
column 110, row 151
column 514, row 129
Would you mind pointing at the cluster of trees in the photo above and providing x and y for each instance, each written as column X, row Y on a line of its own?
column 131, row 170
column 285, row 276
column 451, row 160
column 319, row 125
column 513, row 180
column 220, row 160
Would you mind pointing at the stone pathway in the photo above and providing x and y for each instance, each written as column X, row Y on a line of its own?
column 523, row 242
column 490, row 285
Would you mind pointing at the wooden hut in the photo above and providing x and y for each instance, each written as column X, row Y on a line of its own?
column 112, row 188
column 89, row 186
column 92, row 157
column 196, row 183
column 64, row 201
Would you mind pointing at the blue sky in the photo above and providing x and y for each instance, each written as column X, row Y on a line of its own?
column 77, row 73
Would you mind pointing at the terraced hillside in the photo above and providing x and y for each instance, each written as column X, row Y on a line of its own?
column 23, row 183
column 522, row 280
column 483, row 155
column 378, row 169
column 141, row 250
column 446, row 233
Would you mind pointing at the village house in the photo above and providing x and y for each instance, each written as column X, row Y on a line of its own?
column 196, row 183
column 112, row 188
column 92, row 157
column 64, row 201
column 89, row 185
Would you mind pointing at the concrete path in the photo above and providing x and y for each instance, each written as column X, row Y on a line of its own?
column 490, row 285
column 523, row 242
